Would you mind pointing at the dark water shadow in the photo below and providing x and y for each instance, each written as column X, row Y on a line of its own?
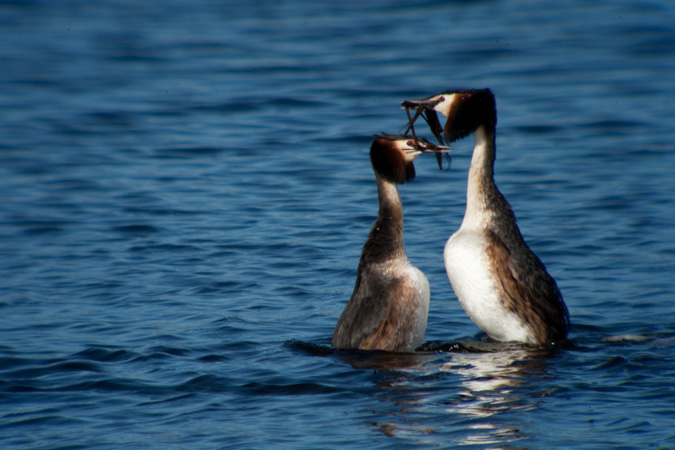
column 363, row 359
column 487, row 345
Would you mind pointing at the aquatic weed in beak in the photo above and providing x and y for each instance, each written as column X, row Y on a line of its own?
column 425, row 109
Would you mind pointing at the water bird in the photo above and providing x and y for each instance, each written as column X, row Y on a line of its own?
column 501, row 284
column 389, row 305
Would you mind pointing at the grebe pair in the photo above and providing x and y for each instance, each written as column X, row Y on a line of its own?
column 501, row 284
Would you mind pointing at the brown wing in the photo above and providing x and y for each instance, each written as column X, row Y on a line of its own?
column 530, row 293
column 376, row 320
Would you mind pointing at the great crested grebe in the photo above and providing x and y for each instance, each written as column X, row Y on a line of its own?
column 503, row 287
column 389, row 306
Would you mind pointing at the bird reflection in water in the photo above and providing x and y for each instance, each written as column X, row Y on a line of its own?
column 490, row 379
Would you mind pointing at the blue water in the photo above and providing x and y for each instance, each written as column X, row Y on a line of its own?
column 186, row 189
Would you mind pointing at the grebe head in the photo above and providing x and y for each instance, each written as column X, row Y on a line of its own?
column 466, row 110
column 392, row 156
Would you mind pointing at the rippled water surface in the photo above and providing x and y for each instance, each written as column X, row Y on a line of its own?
column 186, row 189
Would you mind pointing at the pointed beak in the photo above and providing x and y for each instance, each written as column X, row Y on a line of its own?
column 420, row 104
column 424, row 146
column 419, row 146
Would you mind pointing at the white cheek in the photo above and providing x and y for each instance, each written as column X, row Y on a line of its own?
column 444, row 106
column 409, row 156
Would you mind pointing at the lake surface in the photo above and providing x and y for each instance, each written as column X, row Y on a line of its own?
column 186, row 189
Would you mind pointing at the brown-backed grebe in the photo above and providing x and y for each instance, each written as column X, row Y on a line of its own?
column 503, row 287
column 389, row 306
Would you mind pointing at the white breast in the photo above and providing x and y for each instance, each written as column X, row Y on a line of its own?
column 472, row 280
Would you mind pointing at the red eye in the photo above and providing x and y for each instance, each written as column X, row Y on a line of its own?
column 442, row 99
column 409, row 143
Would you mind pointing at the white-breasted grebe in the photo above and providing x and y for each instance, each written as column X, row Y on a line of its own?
column 389, row 306
column 503, row 287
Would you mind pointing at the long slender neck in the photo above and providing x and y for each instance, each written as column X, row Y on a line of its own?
column 481, row 189
column 385, row 240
